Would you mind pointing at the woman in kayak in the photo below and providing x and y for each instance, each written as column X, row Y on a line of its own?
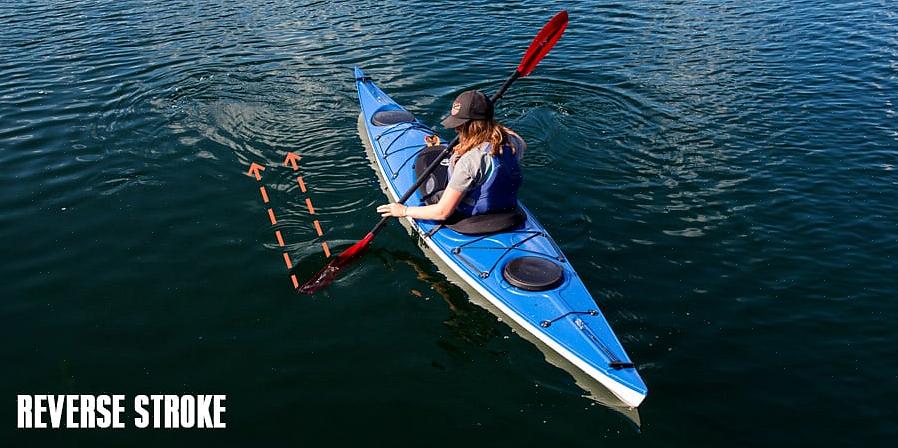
column 484, row 174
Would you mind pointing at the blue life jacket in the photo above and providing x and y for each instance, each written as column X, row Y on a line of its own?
column 499, row 192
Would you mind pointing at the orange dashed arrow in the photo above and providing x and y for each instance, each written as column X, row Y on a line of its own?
column 255, row 170
column 280, row 237
column 291, row 160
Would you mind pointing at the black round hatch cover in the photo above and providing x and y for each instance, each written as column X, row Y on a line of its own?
column 533, row 273
column 387, row 117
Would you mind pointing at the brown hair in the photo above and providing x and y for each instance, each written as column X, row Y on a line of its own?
column 475, row 132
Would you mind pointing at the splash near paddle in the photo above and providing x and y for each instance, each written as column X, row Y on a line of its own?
column 327, row 275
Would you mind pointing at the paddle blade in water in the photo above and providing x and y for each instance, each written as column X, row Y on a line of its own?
column 543, row 42
column 327, row 275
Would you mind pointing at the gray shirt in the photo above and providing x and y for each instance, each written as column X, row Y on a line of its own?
column 474, row 167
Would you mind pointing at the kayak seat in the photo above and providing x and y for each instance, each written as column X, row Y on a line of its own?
column 387, row 116
column 533, row 273
column 432, row 190
column 486, row 223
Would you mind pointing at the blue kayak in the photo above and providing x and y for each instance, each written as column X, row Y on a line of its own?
column 518, row 269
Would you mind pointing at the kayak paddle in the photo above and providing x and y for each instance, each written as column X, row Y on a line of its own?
column 542, row 43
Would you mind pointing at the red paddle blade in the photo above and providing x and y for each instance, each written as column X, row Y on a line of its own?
column 543, row 42
column 327, row 275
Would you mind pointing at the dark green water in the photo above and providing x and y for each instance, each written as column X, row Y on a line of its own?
column 722, row 177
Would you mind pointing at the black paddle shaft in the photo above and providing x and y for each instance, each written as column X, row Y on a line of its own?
column 436, row 162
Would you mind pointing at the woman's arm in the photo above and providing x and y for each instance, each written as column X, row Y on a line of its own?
column 439, row 211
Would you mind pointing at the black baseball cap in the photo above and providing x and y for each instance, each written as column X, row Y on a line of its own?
column 470, row 105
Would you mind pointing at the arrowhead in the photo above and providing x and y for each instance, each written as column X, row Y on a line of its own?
column 291, row 160
column 255, row 170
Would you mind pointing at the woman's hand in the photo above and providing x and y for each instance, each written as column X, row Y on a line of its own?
column 439, row 211
column 394, row 209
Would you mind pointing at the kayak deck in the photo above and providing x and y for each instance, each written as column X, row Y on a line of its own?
column 565, row 317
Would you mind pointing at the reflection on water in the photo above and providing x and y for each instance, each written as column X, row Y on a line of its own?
column 469, row 324
column 472, row 323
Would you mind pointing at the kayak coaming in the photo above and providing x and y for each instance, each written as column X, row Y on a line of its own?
column 571, row 325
